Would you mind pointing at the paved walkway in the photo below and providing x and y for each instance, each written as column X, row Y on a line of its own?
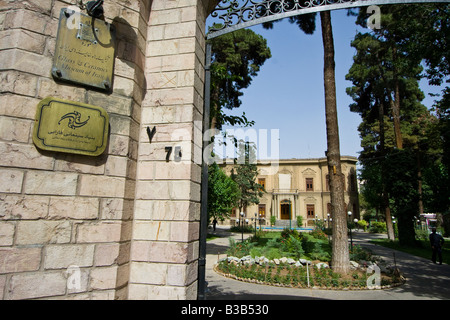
column 425, row 280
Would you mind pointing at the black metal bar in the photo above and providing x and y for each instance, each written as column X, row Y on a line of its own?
column 204, row 196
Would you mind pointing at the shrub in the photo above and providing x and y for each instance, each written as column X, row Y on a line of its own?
column 362, row 224
column 239, row 249
column 319, row 234
column 286, row 233
column 378, row 227
column 422, row 234
column 272, row 220
column 299, row 221
column 292, row 246
column 357, row 253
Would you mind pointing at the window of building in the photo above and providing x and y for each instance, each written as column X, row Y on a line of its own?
column 262, row 182
column 310, row 211
column 262, row 210
column 309, row 184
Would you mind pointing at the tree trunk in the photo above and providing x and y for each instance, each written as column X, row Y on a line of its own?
column 385, row 201
column 396, row 105
column 340, row 252
column 419, row 182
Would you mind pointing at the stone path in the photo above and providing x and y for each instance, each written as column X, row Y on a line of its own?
column 425, row 280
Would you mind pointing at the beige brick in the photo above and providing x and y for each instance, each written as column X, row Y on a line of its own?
column 165, row 16
column 151, row 230
column 150, row 273
column 167, row 114
column 188, row 14
column 51, row 183
column 39, row 285
column 49, row 88
column 115, row 209
column 170, row 133
column 172, row 293
column 64, row 256
column 73, row 208
column 165, row 171
column 81, row 164
column 167, row 190
column 18, row 106
column 164, row 252
column 106, row 254
column 19, row 259
column 167, row 97
column 177, row 62
column 180, row 30
column 14, row 207
column 11, row 181
column 27, row 20
column 13, row 129
column 104, row 232
column 25, row 61
column 117, row 166
column 101, row 186
column 112, row 104
column 43, row 232
column 2, row 286
column 119, row 145
column 166, row 210
column 103, row 278
column 163, row 47
column 6, row 233
column 18, row 82
column 28, row 155
column 23, row 39
column 184, row 231
column 182, row 275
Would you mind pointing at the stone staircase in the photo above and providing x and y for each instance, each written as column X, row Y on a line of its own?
column 285, row 223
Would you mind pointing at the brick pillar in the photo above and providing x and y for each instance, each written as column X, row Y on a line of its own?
column 66, row 217
column 165, row 245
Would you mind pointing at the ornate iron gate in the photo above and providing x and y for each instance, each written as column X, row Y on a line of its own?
column 238, row 14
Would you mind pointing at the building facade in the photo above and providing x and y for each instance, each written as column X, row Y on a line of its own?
column 299, row 187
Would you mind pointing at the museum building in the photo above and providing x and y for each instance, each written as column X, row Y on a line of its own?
column 298, row 187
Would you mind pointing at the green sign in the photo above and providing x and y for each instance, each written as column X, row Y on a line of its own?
column 70, row 127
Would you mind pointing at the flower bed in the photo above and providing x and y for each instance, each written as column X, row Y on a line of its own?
column 318, row 275
column 302, row 260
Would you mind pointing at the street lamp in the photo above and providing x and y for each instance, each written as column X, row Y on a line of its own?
column 242, row 226
column 351, row 239
column 255, row 224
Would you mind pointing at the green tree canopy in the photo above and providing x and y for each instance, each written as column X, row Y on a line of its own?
column 223, row 193
column 244, row 174
column 236, row 59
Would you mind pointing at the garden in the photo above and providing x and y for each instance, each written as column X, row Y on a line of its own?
column 301, row 259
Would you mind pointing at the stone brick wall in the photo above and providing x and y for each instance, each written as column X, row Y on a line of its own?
column 124, row 225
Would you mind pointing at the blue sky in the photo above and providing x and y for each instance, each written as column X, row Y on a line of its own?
column 288, row 95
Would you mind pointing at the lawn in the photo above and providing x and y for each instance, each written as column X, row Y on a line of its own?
column 287, row 243
column 311, row 248
column 421, row 249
